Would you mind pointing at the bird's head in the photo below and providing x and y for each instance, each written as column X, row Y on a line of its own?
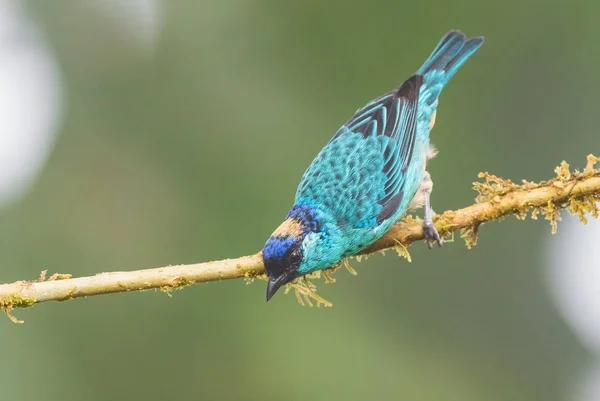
column 295, row 248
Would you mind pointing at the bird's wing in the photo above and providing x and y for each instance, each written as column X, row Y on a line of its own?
column 360, row 173
column 393, row 115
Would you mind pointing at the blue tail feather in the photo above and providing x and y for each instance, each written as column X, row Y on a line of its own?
column 448, row 56
column 467, row 51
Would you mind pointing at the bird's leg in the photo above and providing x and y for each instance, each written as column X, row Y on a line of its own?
column 429, row 230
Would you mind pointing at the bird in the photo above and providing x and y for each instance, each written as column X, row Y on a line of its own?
column 368, row 175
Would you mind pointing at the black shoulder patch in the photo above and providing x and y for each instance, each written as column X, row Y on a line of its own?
column 410, row 88
column 390, row 207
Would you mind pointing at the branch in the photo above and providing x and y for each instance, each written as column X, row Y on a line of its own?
column 578, row 192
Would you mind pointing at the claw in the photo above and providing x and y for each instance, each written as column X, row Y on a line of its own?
column 431, row 234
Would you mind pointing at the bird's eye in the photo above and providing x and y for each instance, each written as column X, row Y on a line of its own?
column 295, row 257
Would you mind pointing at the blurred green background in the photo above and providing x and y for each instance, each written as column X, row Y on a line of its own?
column 192, row 152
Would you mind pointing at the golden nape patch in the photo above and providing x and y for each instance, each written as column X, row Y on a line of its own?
column 290, row 227
column 432, row 122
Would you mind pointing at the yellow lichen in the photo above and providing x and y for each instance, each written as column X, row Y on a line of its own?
column 581, row 206
column 180, row 282
column 43, row 276
column 589, row 167
column 401, row 250
column 327, row 277
column 492, row 187
column 55, row 276
column 521, row 214
column 469, row 234
column 7, row 304
column 177, row 283
column 69, row 294
column 59, row 276
column 562, row 172
column 552, row 214
column 349, row 268
column 305, row 292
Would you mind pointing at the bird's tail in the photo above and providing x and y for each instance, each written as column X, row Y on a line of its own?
column 447, row 57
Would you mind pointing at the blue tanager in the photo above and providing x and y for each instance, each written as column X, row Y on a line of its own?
column 371, row 172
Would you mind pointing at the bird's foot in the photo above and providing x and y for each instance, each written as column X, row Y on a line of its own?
column 431, row 234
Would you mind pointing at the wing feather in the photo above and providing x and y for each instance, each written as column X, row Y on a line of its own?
column 384, row 129
column 396, row 113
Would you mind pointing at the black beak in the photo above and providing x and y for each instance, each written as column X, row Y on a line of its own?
column 274, row 284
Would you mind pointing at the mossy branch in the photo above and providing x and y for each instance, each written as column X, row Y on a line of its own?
column 579, row 192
